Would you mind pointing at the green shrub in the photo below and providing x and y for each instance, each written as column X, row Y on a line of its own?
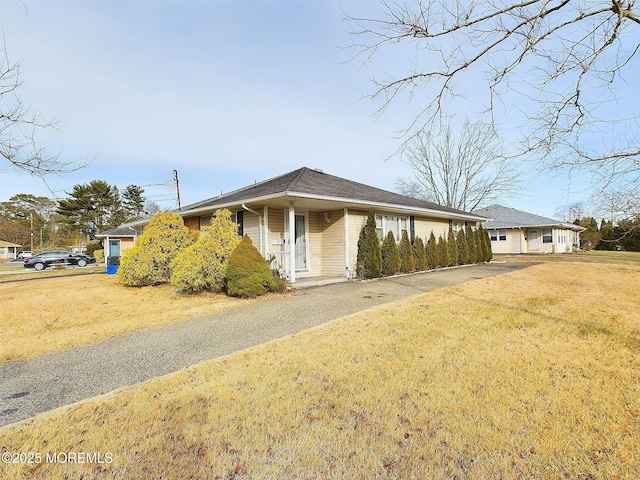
column 369, row 259
column 248, row 273
column 149, row 261
column 202, row 265
column 433, row 257
column 419, row 255
column 452, row 246
column 443, row 250
column 474, row 256
column 407, row 263
column 390, row 255
column 463, row 248
column 486, row 241
column 99, row 256
column 92, row 248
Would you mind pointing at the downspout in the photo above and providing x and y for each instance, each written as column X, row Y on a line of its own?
column 259, row 228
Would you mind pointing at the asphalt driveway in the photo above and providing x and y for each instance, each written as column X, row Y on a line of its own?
column 50, row 381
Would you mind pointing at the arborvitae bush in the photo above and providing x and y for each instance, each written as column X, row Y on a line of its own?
column 487, row 243
column 149, row 261
column 452, row 246
column 407, row 263
column 369, row 260
column 473, row 245
column 463, row 248
column 99, row 256
column 202, row 265
column 419, row 255
column 390, row 255
column 443, row 251
column 480, row 243
column 433, row 257
column 248, row 273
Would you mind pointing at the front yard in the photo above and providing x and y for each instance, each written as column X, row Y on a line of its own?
column 533, row 374
column 43, row 315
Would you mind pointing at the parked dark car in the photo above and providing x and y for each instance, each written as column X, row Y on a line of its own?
column 59, row 257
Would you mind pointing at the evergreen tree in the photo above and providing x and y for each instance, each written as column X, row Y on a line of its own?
column 149, row 261
column 202, row 265
column 463, row 248
column 248, row 273
column 133, row 202
column 433, row 257
column 482, row 240
column 390, row 255
column 419, row 255
column 93, row 208
column 443, row 251
column 487, row 242
column 452, row 246
column 369, row 259
column 407, row 263
column 473, row 245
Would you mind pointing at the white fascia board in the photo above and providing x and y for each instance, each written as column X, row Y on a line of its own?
column 229, row 204
column 390, row 206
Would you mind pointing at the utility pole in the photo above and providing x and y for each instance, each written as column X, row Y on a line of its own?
column 175, row 179
column 31, row 232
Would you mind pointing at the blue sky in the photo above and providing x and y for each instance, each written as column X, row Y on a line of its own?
column 225, row 92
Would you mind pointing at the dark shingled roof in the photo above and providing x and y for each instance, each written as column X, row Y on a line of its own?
column 505, row 217
column 119, row 232
column 316, row 183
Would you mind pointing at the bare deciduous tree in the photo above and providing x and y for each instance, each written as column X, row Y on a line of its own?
column 462, row 171
column 19, row 126
column 564, row 64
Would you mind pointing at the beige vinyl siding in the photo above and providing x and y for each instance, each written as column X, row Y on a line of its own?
column 251, row 227
column 424, row 227
column 333, row 243
column 276, row 232
column 515, row 243
column 314, row 243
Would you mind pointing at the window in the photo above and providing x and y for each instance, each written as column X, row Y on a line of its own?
column 498, row 235
column 562, row 236
column 1, row 250
column 457, row 226
column 547, row 235
column 240, row 223
column 390, row 223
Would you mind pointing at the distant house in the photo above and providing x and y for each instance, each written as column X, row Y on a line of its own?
column 117, row 240
column 9, row 250
column 515, row 231
column 309, row 222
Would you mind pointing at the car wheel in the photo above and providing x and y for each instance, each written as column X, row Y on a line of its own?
column 39, row 266
column 82, row 262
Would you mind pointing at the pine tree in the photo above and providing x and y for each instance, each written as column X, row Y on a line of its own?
column 433, row 257
column 369, row 259
column 453, row 247
column 390, row 255
column 463, row 248
column 407, row 263
column 473, row 245
column 443, row 251
column 419, row 255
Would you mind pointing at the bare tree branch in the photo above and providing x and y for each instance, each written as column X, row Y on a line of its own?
column 558, row 57
column 462, row 171
column 19, row 127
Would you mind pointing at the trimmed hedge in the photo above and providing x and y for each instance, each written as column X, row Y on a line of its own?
column 369, row 259
column 390, row 255
column 407, row 263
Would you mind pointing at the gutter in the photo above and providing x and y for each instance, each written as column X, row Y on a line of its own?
column 260, row 222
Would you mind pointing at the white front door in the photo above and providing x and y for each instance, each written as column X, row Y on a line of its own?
column 301, row 242
column 534, row 241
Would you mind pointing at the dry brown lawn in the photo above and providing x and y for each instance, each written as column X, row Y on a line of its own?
column 43, row 315
column 533, row 374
